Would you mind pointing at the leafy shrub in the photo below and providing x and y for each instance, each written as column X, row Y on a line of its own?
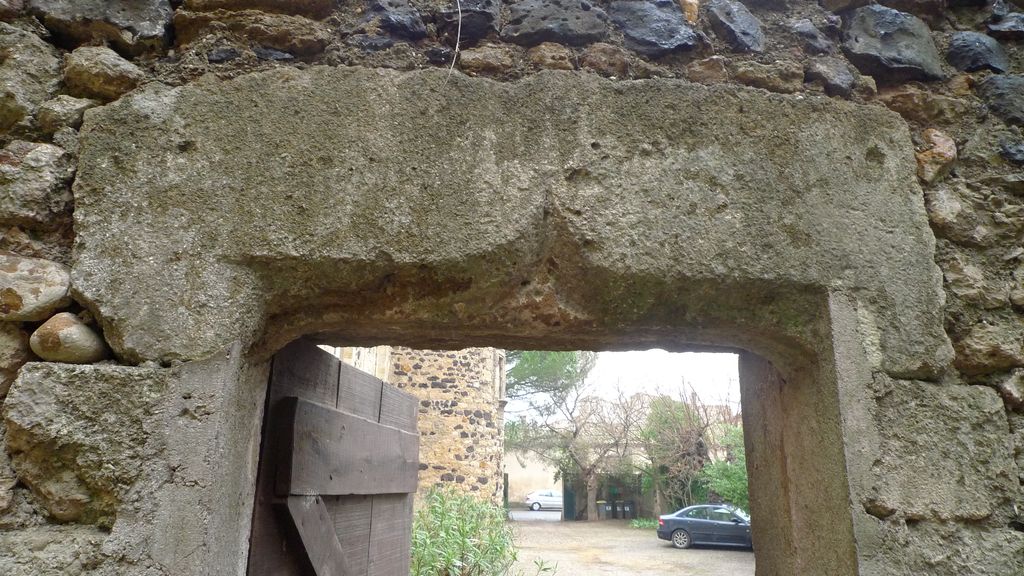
column 455, row 534
column 728, row 478
column 644, row 523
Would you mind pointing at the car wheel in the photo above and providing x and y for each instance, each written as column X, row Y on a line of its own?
column 681, row 539
column 535, row 506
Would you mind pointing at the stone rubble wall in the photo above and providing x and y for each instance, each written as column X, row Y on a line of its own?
column 461, row 416
column 952, row 69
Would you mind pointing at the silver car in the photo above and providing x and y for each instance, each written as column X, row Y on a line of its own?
column 547, row 499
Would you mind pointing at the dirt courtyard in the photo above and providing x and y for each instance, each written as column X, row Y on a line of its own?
column 612, row 547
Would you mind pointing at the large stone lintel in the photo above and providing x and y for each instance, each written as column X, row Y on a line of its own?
column 560, row 209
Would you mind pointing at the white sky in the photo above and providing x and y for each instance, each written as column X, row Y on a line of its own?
column 713, row 376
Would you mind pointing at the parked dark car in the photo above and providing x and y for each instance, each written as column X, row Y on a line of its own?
column 706, row 524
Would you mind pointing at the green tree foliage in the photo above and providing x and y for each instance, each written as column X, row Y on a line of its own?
column 545, row 376
column 728, row 477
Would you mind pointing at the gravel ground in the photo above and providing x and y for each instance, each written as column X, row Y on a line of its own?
column 612, row 547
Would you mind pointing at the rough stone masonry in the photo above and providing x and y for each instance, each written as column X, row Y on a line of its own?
column 835, row 185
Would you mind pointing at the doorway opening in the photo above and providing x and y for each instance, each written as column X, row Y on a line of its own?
column 792, row 442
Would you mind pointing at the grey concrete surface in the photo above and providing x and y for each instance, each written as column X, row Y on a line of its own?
column 613, row 548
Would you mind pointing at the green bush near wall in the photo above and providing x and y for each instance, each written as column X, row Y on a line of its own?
column 456, row 534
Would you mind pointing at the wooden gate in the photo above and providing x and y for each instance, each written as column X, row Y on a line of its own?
column 337, row 473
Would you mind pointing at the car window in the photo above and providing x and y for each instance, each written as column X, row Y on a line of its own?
column 698, row 513
column 721, row 515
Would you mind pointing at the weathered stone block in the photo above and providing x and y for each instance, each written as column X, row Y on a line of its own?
column 487, row 59
column 98, row 72
column 972, row 51
column 594, row 208
column 167, row 456
column 134, row 26
column 944, row 453
column 991, row 347
column 296, row 35
column 783, row 76
column 551, row 56
column 31, row 289
column 29, row 74
column 735, row 24
column 311, row 8
column 949, row 549
column 14, row 352
column 51, row 551
column 78, row 435
column 63, row 112
column 34, row 184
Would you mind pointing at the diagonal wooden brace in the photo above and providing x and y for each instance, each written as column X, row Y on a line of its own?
column 328, row 452
column 315, row 529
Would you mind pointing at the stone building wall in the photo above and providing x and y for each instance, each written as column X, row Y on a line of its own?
column 953, row 71
column 461, row 416
column 376, row 360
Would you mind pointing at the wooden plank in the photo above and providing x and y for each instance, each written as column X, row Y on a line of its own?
column 352, row 525
column 304, row 370
column 336, row 453
column 300, row 369
column 398, row 409
column 359, row 393
column 391, row 525
column 316, row 530
column 391, row 535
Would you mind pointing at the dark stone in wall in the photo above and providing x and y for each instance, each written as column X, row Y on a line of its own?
column 1004, row 96
column 654, row 28
column 479, row 19
column 890, row 45
column 564, row 21
column 1009, row 27
column 834, row 75
column 1013, row 151
column 971, row 51
column 397, row 17
column 439, row 55
column 222, row 54
column 264, row 53
column 133, row 26
column 812, row 40
column 733, row 23
column 931, row 11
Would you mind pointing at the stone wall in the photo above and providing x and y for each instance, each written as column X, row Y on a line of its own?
column 461, row 416
column 194, row 233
